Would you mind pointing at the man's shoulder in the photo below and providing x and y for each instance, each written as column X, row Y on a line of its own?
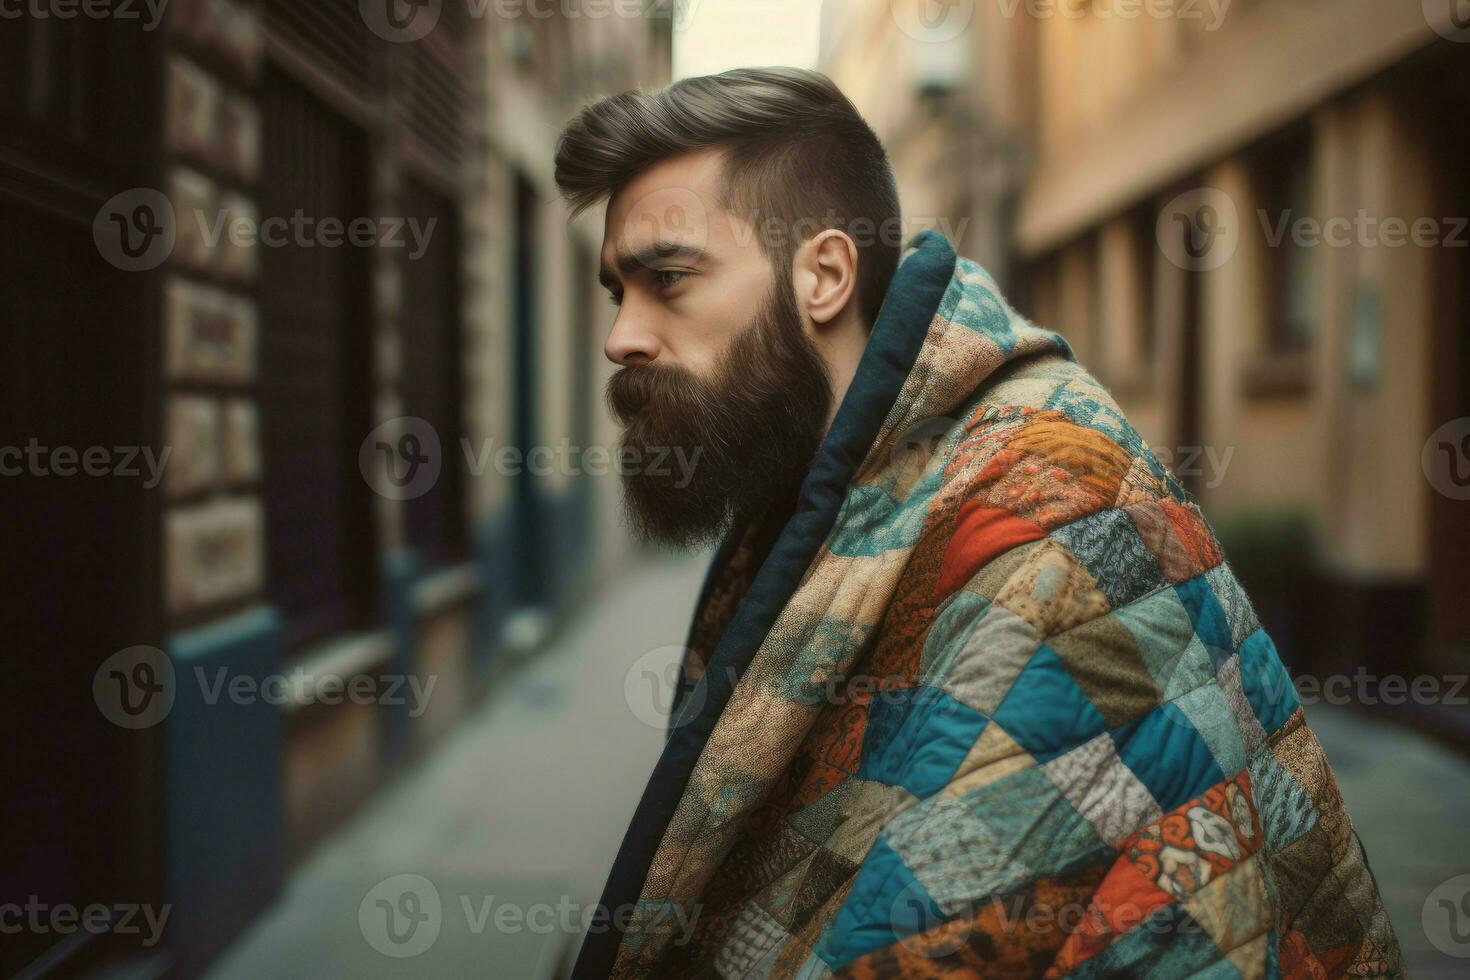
column 1047, row 424
column 1045, row 468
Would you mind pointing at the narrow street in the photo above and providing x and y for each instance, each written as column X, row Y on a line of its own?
column 524, row 808
column 515, row 821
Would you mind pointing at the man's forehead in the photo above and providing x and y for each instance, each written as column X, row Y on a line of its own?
column 673, row 202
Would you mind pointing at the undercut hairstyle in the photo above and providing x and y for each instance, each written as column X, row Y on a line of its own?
column 798, row 160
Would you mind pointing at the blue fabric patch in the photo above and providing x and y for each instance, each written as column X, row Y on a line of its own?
column 916, row 738
column 1045, row 711
column 1168, row 756
column 1209, row 619
column 1268, row 686
column 886, row 903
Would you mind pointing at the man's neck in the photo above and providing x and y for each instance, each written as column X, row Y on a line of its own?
column 841, row 352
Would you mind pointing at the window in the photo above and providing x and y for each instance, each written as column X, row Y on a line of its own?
column 432, row 383
column 315, row 369
column 1146, row 254
column 1284, row 174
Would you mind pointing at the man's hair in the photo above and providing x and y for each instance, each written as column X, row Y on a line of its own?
column 795, row 150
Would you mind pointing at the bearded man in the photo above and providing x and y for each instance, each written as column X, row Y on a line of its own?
column 970, row 688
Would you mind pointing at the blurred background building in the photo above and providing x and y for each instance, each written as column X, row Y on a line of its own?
column 267, row 369
column 1146, row 178
column 1112, row 169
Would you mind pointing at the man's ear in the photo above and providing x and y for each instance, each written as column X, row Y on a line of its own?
column 824, row 274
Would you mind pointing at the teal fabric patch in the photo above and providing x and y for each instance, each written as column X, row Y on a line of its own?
column 916, row 738
column 1167, row 944
column 1046, row 712
column 897, row 525
column 1284, row 804
column 885, row 904
column 1208, row 618
column 812, row 679
column 945, row 858
column 1268, row 686
column 1168, row 756
column 1079, row 402
column 1164, row 634
column 1036, row 825
column 954, row 622
column 1192, row 669
column 1206, row 707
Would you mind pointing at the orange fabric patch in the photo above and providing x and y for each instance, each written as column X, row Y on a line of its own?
column 980, row 534
column 1194, row 534
column 1092, row 458
column 1123, row 900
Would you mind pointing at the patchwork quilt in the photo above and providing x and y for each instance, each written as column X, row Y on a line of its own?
column 986, row 700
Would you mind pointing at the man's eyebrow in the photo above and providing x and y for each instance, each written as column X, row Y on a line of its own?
column 630, row 262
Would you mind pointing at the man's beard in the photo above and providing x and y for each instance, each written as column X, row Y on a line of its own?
column 705, row 453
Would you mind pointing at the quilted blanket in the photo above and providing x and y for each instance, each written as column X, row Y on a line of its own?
column 985, row 699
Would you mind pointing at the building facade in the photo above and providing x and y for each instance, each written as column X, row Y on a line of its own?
column 1245, row 219
column 289, row 306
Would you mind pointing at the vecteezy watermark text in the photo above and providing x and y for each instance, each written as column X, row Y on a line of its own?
column 406, row 21
column 402, row 916
column 63, row 919
column 139, row 229
column 137, row 687
column 1363, row 229
column 36, row 459
column 305, row 231
column 403, row 458
column 150, row 11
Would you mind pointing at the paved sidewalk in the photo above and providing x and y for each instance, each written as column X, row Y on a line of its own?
column 1409, row 799
column 524, row 808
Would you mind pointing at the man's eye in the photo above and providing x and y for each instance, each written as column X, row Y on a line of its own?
column 669, row 277
column 616, row 299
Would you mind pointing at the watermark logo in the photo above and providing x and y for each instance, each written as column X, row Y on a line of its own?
column 401, row 21
column 914, row 916
column 138, row 230
column 135, row 230
column 1449, row 18
column 402, row 458
column 1446, row 917
column 401, row 916
column 1199, row 231
column 650, row 687
column 1446, row 459
column 664, row 226
column 135, row 688
column 933, row 21
column 917, row 448
column 405, row 21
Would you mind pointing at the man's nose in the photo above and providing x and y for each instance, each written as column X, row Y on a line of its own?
column 631, row 343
